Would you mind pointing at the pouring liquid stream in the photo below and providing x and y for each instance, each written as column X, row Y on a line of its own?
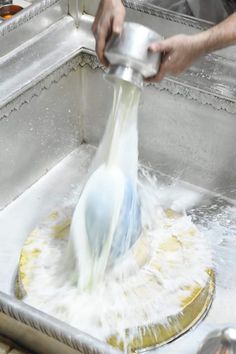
column 107, row 220
column 140, row 283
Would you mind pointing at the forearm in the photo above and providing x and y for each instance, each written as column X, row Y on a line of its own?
column 219, row 36
column 179, row 52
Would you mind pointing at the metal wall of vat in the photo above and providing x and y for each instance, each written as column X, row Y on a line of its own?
column 187, row 125
column 36, row 135
column 180, row 136
column 186, row 136
column 173, row 114
column 160, row 22
column 20, row 29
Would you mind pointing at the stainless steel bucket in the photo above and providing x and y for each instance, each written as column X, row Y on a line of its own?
column 128, row 54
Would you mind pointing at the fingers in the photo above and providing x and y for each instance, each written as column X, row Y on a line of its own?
column 178, row 53
column 118, row 21
column 109, row 20
column 100, row 45
column 159, row 76
column 96, row 20
column 103, row 32
column 162, row 46
column 94, row 27
column 163, row 70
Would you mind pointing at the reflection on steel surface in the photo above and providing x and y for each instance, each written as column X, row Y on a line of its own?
column 220, row 342
column 128, row 54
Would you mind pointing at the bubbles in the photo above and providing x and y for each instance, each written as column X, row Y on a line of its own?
column 142, row 288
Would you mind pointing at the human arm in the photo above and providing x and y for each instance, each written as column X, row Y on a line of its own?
column 108, row 20
column 180, row 51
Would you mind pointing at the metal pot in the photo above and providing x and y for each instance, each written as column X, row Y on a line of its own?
column 128, row 54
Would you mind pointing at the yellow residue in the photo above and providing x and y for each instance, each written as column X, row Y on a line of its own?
column 54, row 215
column 155, row 265
column 36, row 252
column 61, row 230
column 194, row 293
column 171, row 245
column 31, row 237
column 141, row 251
column 171, row 214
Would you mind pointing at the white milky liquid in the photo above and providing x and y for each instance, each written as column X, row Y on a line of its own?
column 108, row 283
column 107, row 218
column 125, row 298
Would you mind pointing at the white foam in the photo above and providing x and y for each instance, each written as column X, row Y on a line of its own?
column 124, row 299
column 146, row 285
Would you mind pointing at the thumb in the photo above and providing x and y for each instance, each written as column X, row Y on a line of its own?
column 117, row 23
column 162, row 46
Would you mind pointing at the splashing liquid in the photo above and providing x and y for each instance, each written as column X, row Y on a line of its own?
column 144, row 258
column 107, row 221
column 146, row 287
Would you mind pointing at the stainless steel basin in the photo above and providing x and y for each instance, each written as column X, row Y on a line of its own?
column 53, row 108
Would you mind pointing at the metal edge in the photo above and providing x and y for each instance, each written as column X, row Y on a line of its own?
column 195, row 306
column 47, row 324
column 205, row 309
column 26, row 15
column 196, row 93
column 76, row 9
column 188, row 85
column 30, row 340
column 43, row 83
column 176, row 326
column 87, row 57
column 28, row 27
column 52, row 327
column 21, row 279
column 152, row 9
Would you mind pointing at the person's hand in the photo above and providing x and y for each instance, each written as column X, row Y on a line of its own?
column 178, row 53
column 108, row 20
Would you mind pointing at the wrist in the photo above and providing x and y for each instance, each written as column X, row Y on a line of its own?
column 202, row 43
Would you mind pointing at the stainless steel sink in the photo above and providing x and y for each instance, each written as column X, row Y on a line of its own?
column 53, row 109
